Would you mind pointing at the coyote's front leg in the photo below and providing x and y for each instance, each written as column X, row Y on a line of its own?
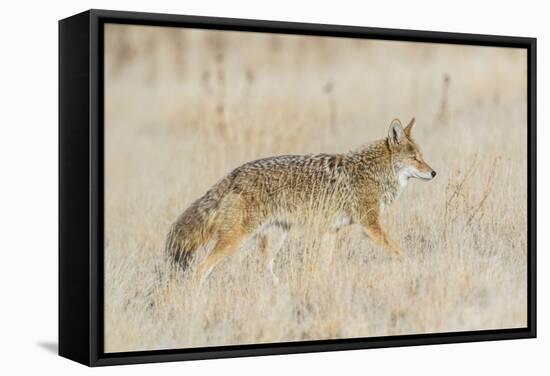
column 376, row 232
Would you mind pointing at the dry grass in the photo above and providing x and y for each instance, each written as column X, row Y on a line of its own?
column 183, row 108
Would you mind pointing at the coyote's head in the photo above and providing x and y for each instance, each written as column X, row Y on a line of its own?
column 406, row 155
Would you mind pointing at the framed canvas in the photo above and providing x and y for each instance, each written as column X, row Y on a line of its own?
column 234, row 187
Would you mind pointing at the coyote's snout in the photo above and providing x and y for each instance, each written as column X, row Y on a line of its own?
column 275, row 193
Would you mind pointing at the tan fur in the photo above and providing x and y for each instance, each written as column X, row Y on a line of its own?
column 281, row 191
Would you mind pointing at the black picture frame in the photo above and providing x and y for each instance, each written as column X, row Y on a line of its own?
column 81, row 187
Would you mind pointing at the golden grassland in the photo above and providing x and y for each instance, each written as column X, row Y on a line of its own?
column 183, row 108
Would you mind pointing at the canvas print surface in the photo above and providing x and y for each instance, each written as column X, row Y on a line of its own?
column 264, row 188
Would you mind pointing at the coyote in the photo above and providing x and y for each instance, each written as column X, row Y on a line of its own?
column 278, row 192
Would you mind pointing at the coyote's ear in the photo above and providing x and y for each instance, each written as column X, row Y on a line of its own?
column 396, row 133
column 409, row 127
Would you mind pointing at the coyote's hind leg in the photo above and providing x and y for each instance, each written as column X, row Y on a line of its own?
column 227, row 244
column 271, row 241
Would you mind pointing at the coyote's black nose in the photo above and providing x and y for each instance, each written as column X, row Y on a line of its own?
column 433, row 174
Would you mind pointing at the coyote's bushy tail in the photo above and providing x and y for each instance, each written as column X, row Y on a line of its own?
column 197, row 225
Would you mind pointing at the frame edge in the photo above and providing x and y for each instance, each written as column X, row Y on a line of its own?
column 74, row 256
